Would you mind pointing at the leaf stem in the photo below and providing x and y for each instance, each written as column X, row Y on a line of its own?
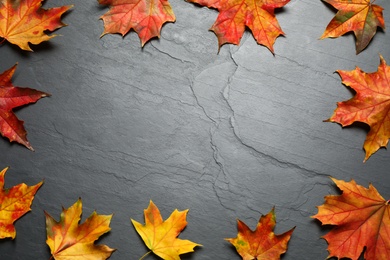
column 2, row 41
column 142, row 257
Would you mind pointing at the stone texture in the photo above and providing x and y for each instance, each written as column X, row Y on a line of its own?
column 228, row 135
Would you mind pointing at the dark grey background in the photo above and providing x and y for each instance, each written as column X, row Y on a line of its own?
column 226, row 135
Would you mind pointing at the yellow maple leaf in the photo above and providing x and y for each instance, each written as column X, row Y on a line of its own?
column 69, row 240
column 14, row 203
column 25, row 21
column 160, row 236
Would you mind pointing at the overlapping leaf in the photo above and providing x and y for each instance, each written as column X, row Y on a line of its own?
column 14, row 203
column 362, row 220
column 146, row 17
column 360, row 16
column 24, row 21
column 161, row 236
column 235, row 15
column 370, row 105
column 261, row 244
column 10, row 98
column 69, row 240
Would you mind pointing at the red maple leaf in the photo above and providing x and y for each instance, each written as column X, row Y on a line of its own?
column 262, row 243
column 10, row 98
column 146, row 17
column 370, row 105
column 235, row 15
column 360, row 16
column 362, row 220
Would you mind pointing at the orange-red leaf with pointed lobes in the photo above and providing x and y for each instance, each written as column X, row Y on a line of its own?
column 24, row 21
column 14, row 203
column 362, row 221
column 370, row 105
column 360, row 16
column 10, row 98
column 69, row 240
column 235, row 15
column 146, row 17
column 261, row 244
column 161, row 236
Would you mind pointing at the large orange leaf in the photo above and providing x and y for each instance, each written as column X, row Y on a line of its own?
column 360, row 16
column 362, row 219
column 370, row 105
column 24, row 21
column 10, row 98
column 160, row 236
column 235, row 15
column 146, row 17
column 14, row 203
column 261, row 244
column 69, row 240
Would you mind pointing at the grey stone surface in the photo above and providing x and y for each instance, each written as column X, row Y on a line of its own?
column 227, row 135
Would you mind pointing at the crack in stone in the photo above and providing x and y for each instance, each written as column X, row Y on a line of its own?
column 170, row 55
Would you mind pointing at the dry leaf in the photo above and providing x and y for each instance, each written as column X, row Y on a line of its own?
column 10, row 98
column 261, row 244
column 160, row 236
column 146, row 17
column 14, row 203
column 69, row 240
column 370, row 105
column 362, row 220
column 24, row 21
column 235, row 15
column 360, row 16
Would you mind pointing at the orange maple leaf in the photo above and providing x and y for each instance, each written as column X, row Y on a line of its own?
column 24, row 21
column 160, row 236
column 14, row 203
column 10, row 98
column 261, row 244
column 360, row 16
column 69, row 240
column 362, row 219
column 370, row 105
column 235, row 15
column 146, row 17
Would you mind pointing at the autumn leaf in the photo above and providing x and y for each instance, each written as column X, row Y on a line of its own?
column 146, row 17
column 370, row 105
column 24, row 21
column 10, row 98
column 360, row 16
column 261, row 244
column 160, row 236
column 235, row 15
column 362, row 221
column 14, row 203
column 69, row 240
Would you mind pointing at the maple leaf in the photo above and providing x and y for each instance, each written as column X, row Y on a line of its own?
column 10, row 98
column 370, row 105
column 261, row 243
column 235, row 15
column 360, row 16
column 24, row 21
column 146, row 17
column 362, row 219
column 160, row 236
column 69, row 240
column 14, row 203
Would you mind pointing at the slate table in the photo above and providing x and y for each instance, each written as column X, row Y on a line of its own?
column 226, row 135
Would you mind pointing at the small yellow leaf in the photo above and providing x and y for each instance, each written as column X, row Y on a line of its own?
column 160, row 236
column 69, row 240
column 14, row 203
